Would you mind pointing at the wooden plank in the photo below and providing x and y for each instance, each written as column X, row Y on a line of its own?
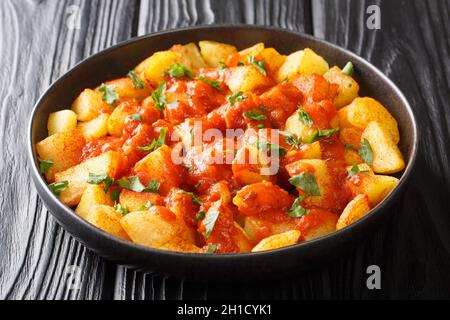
column 412, row 49
column 37, row 47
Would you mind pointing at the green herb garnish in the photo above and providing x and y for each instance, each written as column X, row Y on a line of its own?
column 348, row 69
column 159, row 96
column 58, row 187
column 122, row 210
column 291, row 139
column 200, row 215
column 306, row 182
column 305, row 118
column 213, row 83
column 236, row 96
column 355, row 170
column 45, row 165
column 100, row 178
column 146, row 206
column 156, row 143
column 255, row 115
column 319, row 134
column 134, row 184
column 265, row 146
column 212, row 248
column 210, row 221
column 193, row 197
column 177, row 70
column 137, row 83
column 136, row 117
column 110, row 96
column 297, row 210
column 260, row 65
column 366, row 152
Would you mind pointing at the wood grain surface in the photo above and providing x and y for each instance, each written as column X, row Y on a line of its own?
column 39, row 44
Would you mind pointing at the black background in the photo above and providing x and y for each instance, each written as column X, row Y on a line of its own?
column 412, row 48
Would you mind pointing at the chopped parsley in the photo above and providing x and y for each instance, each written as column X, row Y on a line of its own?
column 134, row 184
column 200, row 215
column 122, row 210
column 297, row 210
column 110, row 96
column 45, row 165
column 193, row 197
column 210, row 222
column 211, row 248
column 222, row 66
column 136, row 117
column 58, row 187
column 319, row 134
column 255, row 115
column 114, row 194
column 355, row 170
column 146, row 206
column 236, row 96
column 305, row 118
column 265, row 146
column 156, row 143
column 366, row 152
column 348, row 69
column 213, row 83
column 100, row 178
column 159, row 96
column 260, row 65
column 177, row 70
column 306, row 182
column 291, row 139
column 137, row 83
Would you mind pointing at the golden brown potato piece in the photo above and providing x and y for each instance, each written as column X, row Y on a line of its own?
column 252, row 51
column 387, row 158
column 89, row 105
column 78, row 175
column 64, row 149
column 246, row 78
column 92, row 195
column 295, row 126
column 252, row 166
column 355, row 209
column 351, row 137
column 124, row 87
column 301, row 62
column 153, row 68
column 117, row 119
column 158, row 228
column 214, row 52
column 96, row 128
column 241, row 239
column 317, row 223
column 273, row 60
column 107, row 219
column 362, row 111
column 348, row 87
column 135, row 201
column 277, row 241
column 158, row 166
column 190, row 55
column 319, row 170
column 376, row 187
column 61, row 121
column 263, row 197
column 256, row 229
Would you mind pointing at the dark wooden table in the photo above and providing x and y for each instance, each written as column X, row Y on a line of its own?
column 38, row 43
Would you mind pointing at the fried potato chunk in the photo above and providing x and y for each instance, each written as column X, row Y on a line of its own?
column 92, row 195
column 277, row 241
column 355, row 209
column 107, row 219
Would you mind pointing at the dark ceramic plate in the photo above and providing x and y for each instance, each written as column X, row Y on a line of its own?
column 118, row 60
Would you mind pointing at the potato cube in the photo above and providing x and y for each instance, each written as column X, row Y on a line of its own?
column 355, row 209
column 134, row 201
column 277, row 241
column 61, row 121
column 327, row 198
column 301, row 62
column 273, row 60
column 387, row 158
column 77, row 176
column 257, row 229
column 246, row 78
column 96, row 128
column 154, row 67
column 124, row 87
column 93, row 195
column 107, row 219
column 64, row 149
column 362, row 111
column 251, row 166
column 317, row 223
column 89, row 105
column 117, row 119
column 376, row 187
column 157, row 227
column 351, row 137
column 252, row 51
column 190, row 56
column 348, row 87
column 158, row 165
column 214, row 52
column 298, row 128
column 241, row 239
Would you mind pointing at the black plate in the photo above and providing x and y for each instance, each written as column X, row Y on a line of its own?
column 118, row 60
